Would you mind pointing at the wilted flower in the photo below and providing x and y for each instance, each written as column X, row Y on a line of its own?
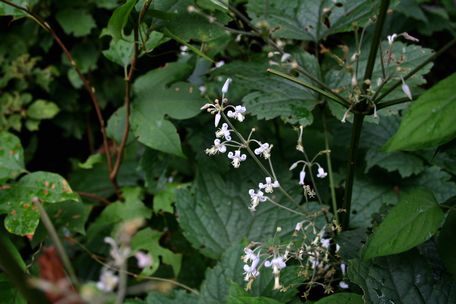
column 108, row 280
column 256, row 198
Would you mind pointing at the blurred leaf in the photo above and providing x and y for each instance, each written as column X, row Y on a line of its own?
column 78, row 22
column 149, row 240
column 177, row 297
column 11, row 157
column 307, row 19
column 342, row 298
column 7, row 10
column 119, row 19
column 430, row 120
column 436, row 180
column 69, row 215
column 42, row 109
column 23, row 217
column 8, row 293
column 407, row 278
column 445, row 242
column 237, row 295
column 415, row 218
column 90, row 161
column 154, row 100
column 116, row 213
column 164, row 199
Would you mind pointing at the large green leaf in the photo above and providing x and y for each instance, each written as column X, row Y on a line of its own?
column 342, row 298
column 430, row 120
column 23, row 217
column 237, row 295
column 148, row 239
column 11, row 157
column 309, row 19
column 8, row 293
column 407, row 278
column 412, row 221
column 154, row 101
column 176, row 297
column 215, row 214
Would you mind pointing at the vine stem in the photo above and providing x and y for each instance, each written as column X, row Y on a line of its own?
column 359, row 116
column 55, row 239
column 87, row 84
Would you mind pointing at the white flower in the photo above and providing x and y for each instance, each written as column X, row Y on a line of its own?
column 144, row 260
column 202, row 89
column 314, row 262
column 217, row 147
column 108, row 281
column 268, row 187
column 264, row 149
column 321, row 173
column 343, row 268
column 391, row 38
column 256, row 198
column 406, row 89
column 250, row 271
column 285, row 57
column 236, row 158
column 343, row 285
column 223, row 132
column 237, row 113
column 325, row 243
column 219, row 64
column 226, row 85
column 215, row 108
column 119, row 255
column 302, row 176
column 409, row 37
column 299, row 226
column 277, row 264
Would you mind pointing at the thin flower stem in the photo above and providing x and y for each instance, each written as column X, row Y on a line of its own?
column 123, row 280
column 415, row 70
column 284, row 207
column 255, row 158
column 55, row 239
column 332, row 186
column 331, row 96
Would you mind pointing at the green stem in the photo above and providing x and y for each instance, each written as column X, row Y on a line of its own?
column 16, row 273
column 375, row 42
column 57, row 243
column 332, row 186
column 390, row 103
column 415, row 70
column 331, row 96
column 122, row 283
column 351, row 166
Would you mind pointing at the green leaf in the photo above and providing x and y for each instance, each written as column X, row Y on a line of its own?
column 342, row 298
column 23, row 217
column 215, row 213
column 435, row 179
column 177, row 297
column 42, row 109
column 369, row 195
column 8, row 10
column 75, row 21
column 412, row 221
column 407, row 278
column 119, row 19
column 154, row 100
column 11, row 157
column 430, row 120
column 149, row 240
column 445, row 242
column 308, row 19
column 164, row 199
column 120, row 52
column 237, row 295
column 91, row 161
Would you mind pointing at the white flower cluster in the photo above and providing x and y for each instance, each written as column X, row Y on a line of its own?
column 252, row 266
column 258, row 196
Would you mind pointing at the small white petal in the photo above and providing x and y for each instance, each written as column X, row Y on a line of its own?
column 217, row 118
column 343, row 285
column 226, row 85
column 406, row 90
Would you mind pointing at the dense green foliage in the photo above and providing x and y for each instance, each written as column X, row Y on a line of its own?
column 113, row 190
